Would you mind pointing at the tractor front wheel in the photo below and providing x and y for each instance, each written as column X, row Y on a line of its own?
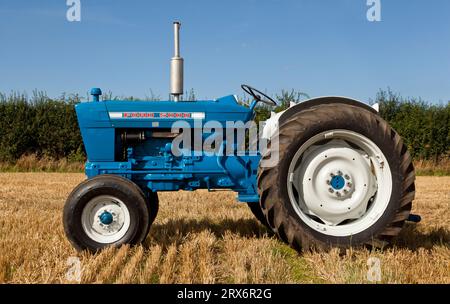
column 106, row 210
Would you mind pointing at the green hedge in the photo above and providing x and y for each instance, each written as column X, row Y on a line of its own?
column 424, row 127
column 48, row 127
column 39, row 125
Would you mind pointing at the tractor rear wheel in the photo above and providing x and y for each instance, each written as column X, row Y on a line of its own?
column 344, row 178
column 106, row 210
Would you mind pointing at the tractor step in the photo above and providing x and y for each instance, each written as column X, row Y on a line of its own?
column 415, row 218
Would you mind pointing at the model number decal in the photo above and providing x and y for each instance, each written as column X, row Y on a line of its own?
column 157, row 115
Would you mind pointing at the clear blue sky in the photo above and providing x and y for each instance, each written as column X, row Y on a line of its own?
column 321, row 47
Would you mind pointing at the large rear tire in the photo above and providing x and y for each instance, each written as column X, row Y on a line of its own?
column 344, row 178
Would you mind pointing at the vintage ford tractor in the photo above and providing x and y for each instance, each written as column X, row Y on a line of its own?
column 332, row 173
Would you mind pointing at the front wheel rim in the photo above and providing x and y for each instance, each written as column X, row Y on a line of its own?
column 339, row 183
column 105, row 219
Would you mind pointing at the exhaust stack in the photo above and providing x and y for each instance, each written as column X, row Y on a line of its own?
column 176, row 66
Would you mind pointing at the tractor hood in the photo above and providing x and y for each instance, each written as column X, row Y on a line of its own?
column 159, row 114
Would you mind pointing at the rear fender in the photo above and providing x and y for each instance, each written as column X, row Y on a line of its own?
column 319, row 101
column 276, row 120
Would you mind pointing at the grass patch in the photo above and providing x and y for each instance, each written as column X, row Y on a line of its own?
column 301, row 271
column 33, row 163
column 440, row 167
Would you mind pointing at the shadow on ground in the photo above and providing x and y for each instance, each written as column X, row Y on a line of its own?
column 175, row 231
column 412, row 238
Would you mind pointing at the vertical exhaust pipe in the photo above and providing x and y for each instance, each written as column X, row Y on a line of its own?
column 176, row 66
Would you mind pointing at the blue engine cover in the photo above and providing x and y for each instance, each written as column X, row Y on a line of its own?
column 133, row 139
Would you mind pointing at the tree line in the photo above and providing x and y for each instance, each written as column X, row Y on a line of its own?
column 47, row 127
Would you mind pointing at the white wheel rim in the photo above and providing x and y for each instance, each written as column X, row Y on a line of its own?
column 105, row 219
column 339, row 183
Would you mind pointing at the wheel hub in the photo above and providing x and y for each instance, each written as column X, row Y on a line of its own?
column 106, row 218
column 340, row 184
column 337, row 182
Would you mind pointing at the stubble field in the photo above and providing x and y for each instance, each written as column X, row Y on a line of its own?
column 202, row 237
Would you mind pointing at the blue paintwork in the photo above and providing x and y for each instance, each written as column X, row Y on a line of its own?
column 337, row 182
column 106, row 218
column 150, row 163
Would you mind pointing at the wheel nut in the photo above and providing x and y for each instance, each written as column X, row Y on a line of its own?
column 346, row 177
column 338, row 194
column 328, row 182
column 349, row 185
column 332, row 174
column 331, row 190
column 339, row 173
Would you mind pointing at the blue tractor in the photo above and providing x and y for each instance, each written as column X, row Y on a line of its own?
column 326, row 172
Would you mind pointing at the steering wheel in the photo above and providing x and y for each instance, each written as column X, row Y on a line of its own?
column 258, row 95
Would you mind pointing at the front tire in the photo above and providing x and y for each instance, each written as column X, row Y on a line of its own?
column 344, row 178
column 106, row 210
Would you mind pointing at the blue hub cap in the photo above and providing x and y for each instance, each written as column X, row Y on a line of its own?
column 337, row 182
column 106, row 218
